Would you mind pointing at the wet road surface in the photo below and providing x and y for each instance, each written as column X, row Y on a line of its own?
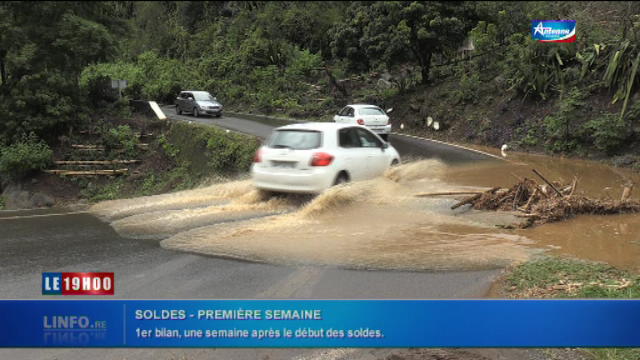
column 143, row 270
column 37, row 241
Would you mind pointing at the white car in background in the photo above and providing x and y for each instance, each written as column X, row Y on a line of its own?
column 311, row 157
column 370, row 116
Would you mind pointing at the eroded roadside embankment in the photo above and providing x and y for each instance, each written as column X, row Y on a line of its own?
column 376, row 224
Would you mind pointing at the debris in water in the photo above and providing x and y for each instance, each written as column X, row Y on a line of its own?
column 551, row 202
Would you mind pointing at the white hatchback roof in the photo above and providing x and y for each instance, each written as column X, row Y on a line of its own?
column 195, row 91
column 317, row 126
column 359, row 106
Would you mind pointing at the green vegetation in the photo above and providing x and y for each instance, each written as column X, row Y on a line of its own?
column 108, row 191
column 553, row 277
column 182, row 157
column 24, row 156
column 471, row 66
column 208, row 150
column 121, row 137
column 559, row 277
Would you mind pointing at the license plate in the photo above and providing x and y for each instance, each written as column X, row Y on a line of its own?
column 283, row 164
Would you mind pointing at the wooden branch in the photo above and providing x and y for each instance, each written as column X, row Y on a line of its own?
column 86, row 172
column 80, row 146
column 574, row 185
column 516, row 197
column 89, row 149
column 548, row 182
column 447, row 193
column 473, row 198
column 528, row 204
column 626, row 193
column 96, row 162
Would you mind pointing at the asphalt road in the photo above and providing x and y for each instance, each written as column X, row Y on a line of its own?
column 35, row 241
column 407, row 146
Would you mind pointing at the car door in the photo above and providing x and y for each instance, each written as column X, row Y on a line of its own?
column 179, row 101
column 376, row 158
column 188, row 102
column 354, row 155
column 343, row 115
column 338, row 117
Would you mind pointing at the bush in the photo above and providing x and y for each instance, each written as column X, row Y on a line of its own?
column 208, row 151
column 561, row 126
column 609, row 132
column 26, row 155
column 110, row 191
column 469, row 88
column 121, row 137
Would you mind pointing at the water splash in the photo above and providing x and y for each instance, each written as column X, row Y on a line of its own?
column 374, row 224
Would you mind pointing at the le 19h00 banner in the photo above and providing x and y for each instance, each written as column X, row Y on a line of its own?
column 319, row 323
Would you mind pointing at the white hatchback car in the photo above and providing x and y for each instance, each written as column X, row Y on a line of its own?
column 370, row 116
column 311, row 157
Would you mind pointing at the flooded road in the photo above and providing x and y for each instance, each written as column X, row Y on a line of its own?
column 380, row 225
column 613, row 239
column 375, row 225
column 435, row 235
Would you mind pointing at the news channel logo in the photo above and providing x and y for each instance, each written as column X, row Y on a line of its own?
column 78, row 283
column 553, row 30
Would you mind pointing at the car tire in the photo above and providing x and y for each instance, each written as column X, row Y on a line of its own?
column 178, row 110
column 195, row 112
column 342, row 178
column 218, row 115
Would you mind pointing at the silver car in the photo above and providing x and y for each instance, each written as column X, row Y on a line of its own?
column 198, row 103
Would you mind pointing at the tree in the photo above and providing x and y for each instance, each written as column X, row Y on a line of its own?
column 43, row 48
column 396, row 32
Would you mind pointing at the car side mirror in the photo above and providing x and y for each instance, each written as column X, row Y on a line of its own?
column 384, row 146
column 389, row 110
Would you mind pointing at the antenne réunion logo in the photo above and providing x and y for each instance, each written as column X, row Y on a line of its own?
column 553, row 30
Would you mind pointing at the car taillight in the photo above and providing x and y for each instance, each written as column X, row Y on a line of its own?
column 257, row 158
column 360, row 122
column 321, row 159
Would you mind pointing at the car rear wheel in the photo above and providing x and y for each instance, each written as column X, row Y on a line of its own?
column 195, row 112
column 342, row 178
column 178, row 110
column 218, row 115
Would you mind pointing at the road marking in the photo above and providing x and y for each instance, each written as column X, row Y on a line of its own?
column 450, row 144
column 42, row 215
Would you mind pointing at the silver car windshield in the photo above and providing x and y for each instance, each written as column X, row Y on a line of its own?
column 295, row 139
column 203, row 97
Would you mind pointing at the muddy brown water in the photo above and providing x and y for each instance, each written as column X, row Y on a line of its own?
column 612, row 239
column 379, row 224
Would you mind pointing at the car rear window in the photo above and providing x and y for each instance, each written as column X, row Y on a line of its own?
column 296, row 139
column 371, row 111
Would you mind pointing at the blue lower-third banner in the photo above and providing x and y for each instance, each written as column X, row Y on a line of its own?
column 320, row 323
